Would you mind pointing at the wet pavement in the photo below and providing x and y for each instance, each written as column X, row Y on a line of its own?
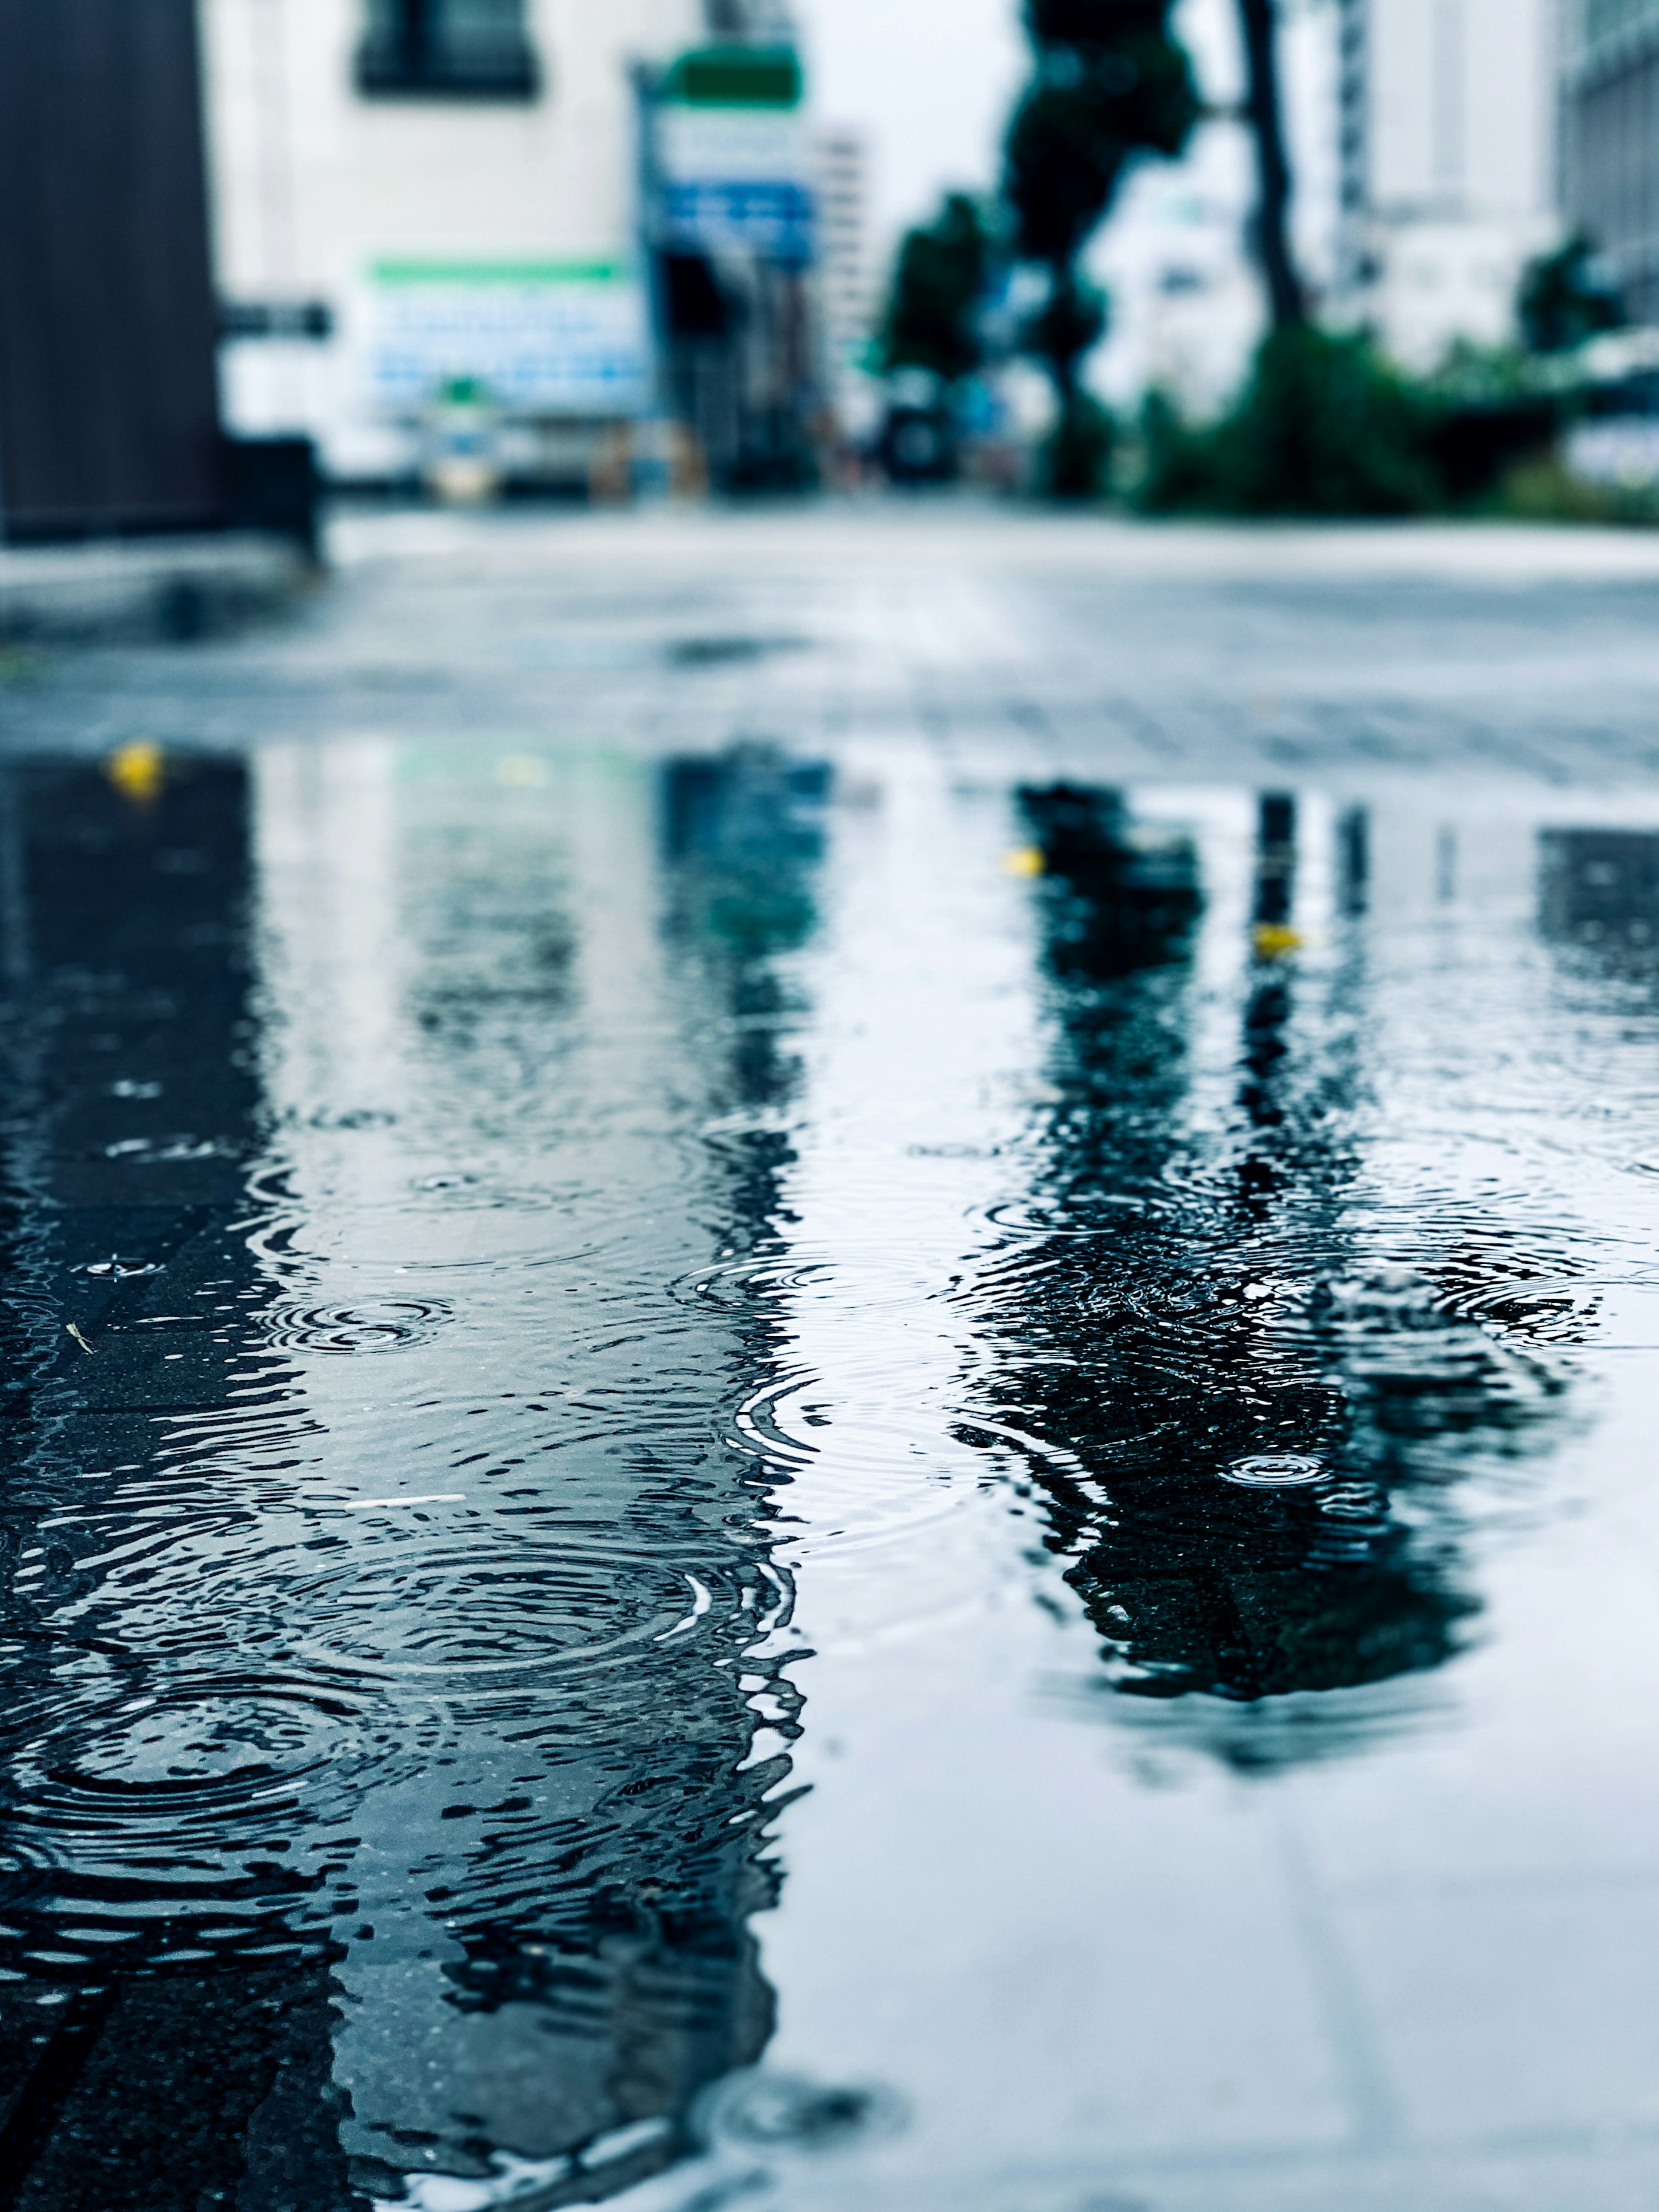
column 829, row 1359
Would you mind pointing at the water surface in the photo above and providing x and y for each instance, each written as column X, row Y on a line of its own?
column 746, row 1477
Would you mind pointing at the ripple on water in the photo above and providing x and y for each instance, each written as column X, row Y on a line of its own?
column 751, row 1280
column 363, row 1325
column 1090, row 1213
column 1275, row 1471
column 758, row 2109
column 492, row 1614
column 163, row 1804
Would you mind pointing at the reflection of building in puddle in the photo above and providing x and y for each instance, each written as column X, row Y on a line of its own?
column 543, row 1918
column 1257, row 1408
column 1599, row 890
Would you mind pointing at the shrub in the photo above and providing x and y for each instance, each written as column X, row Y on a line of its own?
column 938, row 287
column 1545, row 490
column 1078, row 452
column 1324, row 428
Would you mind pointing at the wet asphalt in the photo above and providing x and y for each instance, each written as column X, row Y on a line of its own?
column 828, row 1358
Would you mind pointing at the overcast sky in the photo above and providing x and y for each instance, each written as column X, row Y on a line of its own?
column 930, row 81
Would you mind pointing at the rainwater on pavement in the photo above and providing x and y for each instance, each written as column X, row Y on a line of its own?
column 831, row 1456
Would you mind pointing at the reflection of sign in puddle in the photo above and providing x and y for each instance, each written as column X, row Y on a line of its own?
column 1275, row 1471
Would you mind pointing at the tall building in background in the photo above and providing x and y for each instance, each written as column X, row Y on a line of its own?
column 847, row 281
column 1448, row 184
column 1610, row 139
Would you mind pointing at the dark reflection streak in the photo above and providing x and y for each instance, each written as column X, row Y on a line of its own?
column 1354, row 861
column 39, row 2099
column 1446, row 866
column 742, row 837
column 27, row 1325
column 14, row 907
column 43, row 2072
column 123, row 958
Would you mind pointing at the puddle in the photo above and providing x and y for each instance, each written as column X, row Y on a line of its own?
column 918, row 1380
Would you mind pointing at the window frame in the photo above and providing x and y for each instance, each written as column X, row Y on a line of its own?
column 409, row 61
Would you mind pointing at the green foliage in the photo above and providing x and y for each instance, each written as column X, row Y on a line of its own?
column 1544, row 490
column 1093, row 24
column 1109, row 83
column 1324, row 428
column 1079, row 451
column 1566, row 298
column 1089, row 110
column 940, row 280
column 1472, row 374
column 1069, row 323
column 1062, row 170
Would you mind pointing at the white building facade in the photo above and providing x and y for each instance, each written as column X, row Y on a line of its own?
column 1449, row 157
column 847, row 277
column 406, row 190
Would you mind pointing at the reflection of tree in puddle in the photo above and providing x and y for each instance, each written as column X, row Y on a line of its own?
column 1261, row 1408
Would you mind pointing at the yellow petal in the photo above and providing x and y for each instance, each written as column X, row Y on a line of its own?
column 136, row 771
column 1273, row 940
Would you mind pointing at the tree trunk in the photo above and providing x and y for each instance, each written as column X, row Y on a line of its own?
column 1286, row 297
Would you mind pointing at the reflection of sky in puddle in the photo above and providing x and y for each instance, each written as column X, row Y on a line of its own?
column 690, row 1284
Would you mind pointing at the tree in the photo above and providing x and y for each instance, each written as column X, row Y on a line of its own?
column 1109, row 83
column 1567, row 297
column 1287, row 300
column 933, row 318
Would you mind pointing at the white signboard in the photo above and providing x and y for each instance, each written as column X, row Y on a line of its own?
column 736, row 178
column 542, row 338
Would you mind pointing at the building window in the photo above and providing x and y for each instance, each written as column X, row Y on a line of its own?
column 447, row 50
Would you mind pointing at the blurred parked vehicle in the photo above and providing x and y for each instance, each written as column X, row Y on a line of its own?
column 918, row 441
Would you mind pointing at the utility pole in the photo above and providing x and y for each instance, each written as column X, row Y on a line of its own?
column 1286, row 299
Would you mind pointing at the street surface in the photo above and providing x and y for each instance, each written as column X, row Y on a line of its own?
column 1068, row 643
column 831, row 1346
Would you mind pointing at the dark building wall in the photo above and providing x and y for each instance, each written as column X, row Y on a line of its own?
column 109, row 405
